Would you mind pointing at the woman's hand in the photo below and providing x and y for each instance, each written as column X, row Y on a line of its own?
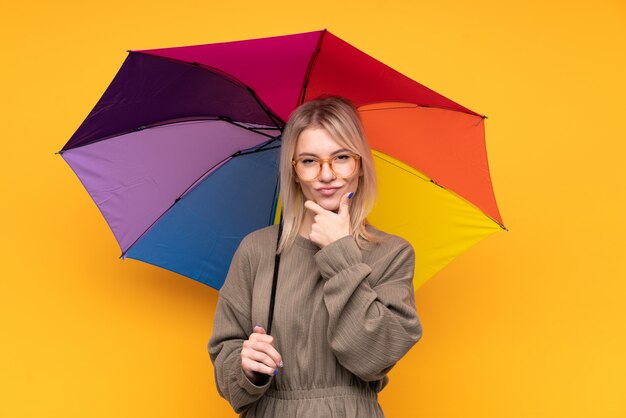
column 329, row 226
column 259, row 355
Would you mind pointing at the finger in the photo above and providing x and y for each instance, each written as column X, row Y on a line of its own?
column 262, row 338
column 259, row 357
column 259, row 329
column 344, row 205
column 254, row 366
column 314, row 207
column 267, row 349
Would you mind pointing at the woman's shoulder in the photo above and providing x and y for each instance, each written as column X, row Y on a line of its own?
column 260, row 239
column 386, row 241
column 391, row 255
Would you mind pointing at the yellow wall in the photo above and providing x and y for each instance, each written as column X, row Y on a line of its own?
column 529, row 323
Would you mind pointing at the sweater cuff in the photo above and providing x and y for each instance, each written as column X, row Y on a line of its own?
column 338, row 256
column 250, row 387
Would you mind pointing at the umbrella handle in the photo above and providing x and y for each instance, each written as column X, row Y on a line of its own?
column 270, row 317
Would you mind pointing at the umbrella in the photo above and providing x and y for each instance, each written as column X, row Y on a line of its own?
column 180, row 154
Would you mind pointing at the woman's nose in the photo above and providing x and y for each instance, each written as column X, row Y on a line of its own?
column 326, row 173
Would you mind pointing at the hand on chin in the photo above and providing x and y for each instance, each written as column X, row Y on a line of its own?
column 329, row 225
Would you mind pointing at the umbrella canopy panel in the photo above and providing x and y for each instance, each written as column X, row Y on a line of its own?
column 438, row 223
column 198, row 236
column 150, row 90
column 135, row 178
column 447, row 146
column 275, row 67
column 344, row 70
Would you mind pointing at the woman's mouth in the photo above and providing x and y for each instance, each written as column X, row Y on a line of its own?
column 327, row 191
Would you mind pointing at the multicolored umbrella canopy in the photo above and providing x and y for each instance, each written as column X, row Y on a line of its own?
column 181, row 152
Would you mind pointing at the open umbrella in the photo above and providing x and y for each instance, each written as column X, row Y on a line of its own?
column 181, row 152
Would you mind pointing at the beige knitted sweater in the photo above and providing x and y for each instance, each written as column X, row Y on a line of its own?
column 343, row 317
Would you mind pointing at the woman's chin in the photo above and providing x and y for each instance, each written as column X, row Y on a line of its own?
column 331, row 205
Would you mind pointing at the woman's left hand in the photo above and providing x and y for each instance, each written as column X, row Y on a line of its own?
column 329, row 226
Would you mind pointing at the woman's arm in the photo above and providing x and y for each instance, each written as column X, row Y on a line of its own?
column 370, row 327
column 232, row 326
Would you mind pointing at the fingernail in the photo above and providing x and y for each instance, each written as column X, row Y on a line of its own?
column 257, row 325
column 350, row 195
column 280, row 364
column 275, row 372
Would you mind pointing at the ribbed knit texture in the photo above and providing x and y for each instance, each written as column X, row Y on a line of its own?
column 343, row 318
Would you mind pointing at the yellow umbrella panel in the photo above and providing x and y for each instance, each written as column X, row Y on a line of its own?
column 439, row 224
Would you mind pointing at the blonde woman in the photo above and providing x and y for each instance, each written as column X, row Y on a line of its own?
column 342, row 298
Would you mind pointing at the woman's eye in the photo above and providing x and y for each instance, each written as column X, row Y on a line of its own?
column 342, row 157
column 308, row 161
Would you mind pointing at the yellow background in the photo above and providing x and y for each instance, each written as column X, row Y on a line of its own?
column 528, row 323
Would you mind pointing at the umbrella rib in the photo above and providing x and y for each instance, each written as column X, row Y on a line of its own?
column 378, row 155
column 216, row 70
column 309, row 69
column 175, row 121
column 223, row 161
column 412, row 105
column 214, row 166
column 260, row 149
column 406, row 170
column 147, row 229
column 255, row 130
column 277, row 121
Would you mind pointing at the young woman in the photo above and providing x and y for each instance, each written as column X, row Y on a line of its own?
column 344, row 305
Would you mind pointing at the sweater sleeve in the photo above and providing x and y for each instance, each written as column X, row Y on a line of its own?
column 232, row 326
column 370, row 326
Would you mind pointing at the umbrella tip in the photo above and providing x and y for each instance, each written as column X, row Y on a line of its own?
column 436, row 184
column 485, row 117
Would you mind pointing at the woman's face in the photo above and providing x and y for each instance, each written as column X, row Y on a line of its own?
column 326, row 189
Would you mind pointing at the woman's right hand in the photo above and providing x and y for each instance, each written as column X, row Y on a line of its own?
column 259, row 355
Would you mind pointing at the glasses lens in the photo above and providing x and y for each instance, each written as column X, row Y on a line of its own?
column 307, row 169
column 343, row 165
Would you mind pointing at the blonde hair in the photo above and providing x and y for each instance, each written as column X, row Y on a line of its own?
column 341, row 120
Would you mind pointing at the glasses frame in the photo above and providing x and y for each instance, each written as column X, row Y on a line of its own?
column 321, row 162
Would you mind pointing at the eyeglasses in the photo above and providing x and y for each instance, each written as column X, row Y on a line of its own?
column 342, row 165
